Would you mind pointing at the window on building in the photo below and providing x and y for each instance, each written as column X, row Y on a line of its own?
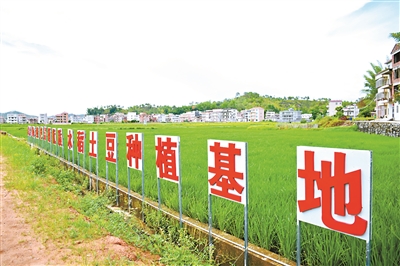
column 396, row 58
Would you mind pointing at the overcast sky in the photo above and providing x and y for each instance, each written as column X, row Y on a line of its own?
column 70, row 55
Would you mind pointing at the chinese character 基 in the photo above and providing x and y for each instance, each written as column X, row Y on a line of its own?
column 227, row 166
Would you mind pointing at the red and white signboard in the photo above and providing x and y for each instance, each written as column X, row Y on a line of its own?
column 167, row 157
column 111, row 147
column 227, row 170
column 60, row 137
column 334, row 189
column 49, row 135
column 70, row 138
column 44, row 133
column 80, row 141
column 29, row 131
column 37, row 132
column 54, row 134
column 134, row 151
column 93, row 144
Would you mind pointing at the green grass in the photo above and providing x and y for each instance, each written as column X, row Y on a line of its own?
column 272, row 185
column 60, row 209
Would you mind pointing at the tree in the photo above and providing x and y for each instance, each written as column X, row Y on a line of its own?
column 369, row 83
column 395, row 36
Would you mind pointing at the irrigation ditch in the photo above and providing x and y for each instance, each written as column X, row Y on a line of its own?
column 228, row 250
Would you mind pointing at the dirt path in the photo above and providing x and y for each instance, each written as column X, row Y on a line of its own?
column 20, row 246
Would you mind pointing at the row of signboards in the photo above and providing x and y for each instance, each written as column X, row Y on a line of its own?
column 333, row 185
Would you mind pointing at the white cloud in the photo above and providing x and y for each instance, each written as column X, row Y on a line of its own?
column 71, row 55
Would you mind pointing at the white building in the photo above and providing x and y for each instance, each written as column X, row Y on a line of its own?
column 43, row 118
column 12, row 118
column 290, row 116
column 271, row 116
column 256, row 114
column 307, row 117
column 132, row 116
column 89, row 119
column 332, row 107
column 351, row 111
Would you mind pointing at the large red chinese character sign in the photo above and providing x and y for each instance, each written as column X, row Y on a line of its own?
column 54, row 136
column 111, row 147
column 333, row 189
column 60, row 137
column 80, row 141
column 93, row 144
column 227, row 170
column 167, row 157
column 70, row 138
column 134, row 151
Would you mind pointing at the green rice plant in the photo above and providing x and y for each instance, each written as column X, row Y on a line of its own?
column 272, row 184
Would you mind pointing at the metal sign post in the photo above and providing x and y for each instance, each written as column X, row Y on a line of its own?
column 334, row 188
column 228, row 179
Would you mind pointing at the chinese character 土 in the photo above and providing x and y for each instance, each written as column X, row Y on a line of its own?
column 167, row 158
column 80, row 141
column 111, row 147
column 134, row 150
column 326, row 183
column 93, row 144
column 226, row 181
column 70, row 139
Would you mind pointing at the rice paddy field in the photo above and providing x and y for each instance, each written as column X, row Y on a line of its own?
column 272, row 184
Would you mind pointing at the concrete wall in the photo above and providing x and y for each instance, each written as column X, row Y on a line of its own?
column 391, row 129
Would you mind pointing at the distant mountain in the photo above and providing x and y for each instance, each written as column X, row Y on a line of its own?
column 18, row 113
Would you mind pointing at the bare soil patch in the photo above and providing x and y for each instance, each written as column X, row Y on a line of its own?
column 21, row 246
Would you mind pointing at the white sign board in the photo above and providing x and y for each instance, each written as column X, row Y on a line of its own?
column 334, row 189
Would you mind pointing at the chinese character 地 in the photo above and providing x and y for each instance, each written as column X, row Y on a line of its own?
column 225, row 175
column 326, row 183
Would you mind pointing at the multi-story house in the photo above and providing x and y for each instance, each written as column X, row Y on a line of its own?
column 256, row 114
column 2, row 120
column 229, row 115
column 206, row 116
column 216, row 115
column 132, row 116
column 332, row 107
column 62, row 118
column 271, row 116
column 22, row 119
column 12, row 118
column 290, row 116
column 43, row 118
column 388, row 86
column 351, row 110
column 89, row 119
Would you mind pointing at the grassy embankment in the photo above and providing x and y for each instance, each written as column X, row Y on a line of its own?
column 61, row 211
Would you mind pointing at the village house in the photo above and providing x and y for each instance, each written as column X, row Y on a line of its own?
column 388, row 85
column 62, row 118
column 289, row 116
column 332, row 107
